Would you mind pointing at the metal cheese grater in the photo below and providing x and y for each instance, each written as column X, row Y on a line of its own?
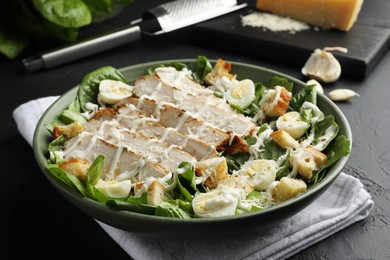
column 181, row 13
column 161, row 19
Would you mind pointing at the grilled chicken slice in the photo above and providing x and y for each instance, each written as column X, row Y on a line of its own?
column 204, row 106
column 169, row 156
column 151, row 129
column 137, row 121
column 181, row 80
column 120, row 162
column 186, row 124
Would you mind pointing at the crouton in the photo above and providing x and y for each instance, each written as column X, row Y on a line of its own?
column 221, row 68
column 214, row 168
column 68, row 130
column 288, row 188
column 276, row 101
column 284, row 139
column 307, row 160
column 155, row 191
column 76, row 167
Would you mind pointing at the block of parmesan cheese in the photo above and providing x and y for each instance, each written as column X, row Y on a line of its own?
column 337, row 14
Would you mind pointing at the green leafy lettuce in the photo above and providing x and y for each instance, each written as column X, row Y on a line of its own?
column 49, row 20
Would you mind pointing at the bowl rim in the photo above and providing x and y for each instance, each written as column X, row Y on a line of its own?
column 320, row 187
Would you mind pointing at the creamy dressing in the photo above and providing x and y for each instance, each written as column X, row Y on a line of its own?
column 318, row 115
column 92, row 108
column 209, row 151
column 216, row 203
column 114, row 163
column 330, row 133
column 145, row 187
column 295, row 155
column 255, row 148
column 274, row 103
column 183, row 118
column 139, row 122
column 258, row 174
column 199, row 130
column 166, row 133
column 183, row 94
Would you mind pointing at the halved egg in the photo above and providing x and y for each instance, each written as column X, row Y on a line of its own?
column 261, row 172
column 111, row 91
column 114, row 189
column 219, row 202
column 241, row 93
column 293, row 123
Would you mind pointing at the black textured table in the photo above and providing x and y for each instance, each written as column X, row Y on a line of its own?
column 37, row 223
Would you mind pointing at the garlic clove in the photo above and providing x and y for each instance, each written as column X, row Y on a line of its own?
column 342, row 94
column 340, row 49
column 322, row 65
column 317, row 85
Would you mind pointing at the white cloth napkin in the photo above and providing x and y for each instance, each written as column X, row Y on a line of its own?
column 343, row 204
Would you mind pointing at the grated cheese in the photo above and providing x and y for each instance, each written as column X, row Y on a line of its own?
column 273, row 22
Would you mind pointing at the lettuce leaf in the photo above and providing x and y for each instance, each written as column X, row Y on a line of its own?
column 89, row 86
column 186, row 185
column 67, row 178
column 308, row 93
column 202, row 68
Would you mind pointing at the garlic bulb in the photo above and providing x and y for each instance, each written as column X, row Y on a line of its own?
column 323, row 66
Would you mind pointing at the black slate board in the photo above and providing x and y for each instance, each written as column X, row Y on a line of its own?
column 367, row 41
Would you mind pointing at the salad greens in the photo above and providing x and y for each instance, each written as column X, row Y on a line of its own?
column 24, row 21
column 178, row 201
column 89, row 86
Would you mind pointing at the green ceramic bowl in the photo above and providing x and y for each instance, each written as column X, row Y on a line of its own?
column 163, row 227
